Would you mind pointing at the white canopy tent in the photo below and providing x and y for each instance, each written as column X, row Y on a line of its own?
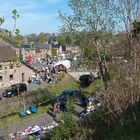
column 66, row 63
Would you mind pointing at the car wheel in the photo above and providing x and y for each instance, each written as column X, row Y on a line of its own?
column 12, row 95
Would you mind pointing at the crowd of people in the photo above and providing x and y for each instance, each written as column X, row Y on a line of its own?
column 47, row 74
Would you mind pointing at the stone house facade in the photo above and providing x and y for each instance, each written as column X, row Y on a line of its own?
column 73, row 49
column 42, row 52
column 28, row 52
column 38, row 52
column 12, row 72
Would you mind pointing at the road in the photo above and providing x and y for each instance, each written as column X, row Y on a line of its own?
column 30, row 87
column 14, row 103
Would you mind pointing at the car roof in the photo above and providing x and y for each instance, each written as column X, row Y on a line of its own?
column 18, row 84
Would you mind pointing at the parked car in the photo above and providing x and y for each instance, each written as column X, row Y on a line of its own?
column 15, row 90
column 86, row 80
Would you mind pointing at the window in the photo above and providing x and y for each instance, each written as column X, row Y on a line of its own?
column 1, row 79
column 11, row 66
column 0, row 67
column 11, row 77
column 23, row 76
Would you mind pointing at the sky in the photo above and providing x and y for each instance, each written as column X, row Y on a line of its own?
column 35, row 15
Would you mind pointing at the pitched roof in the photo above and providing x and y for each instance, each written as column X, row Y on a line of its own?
column 42, row 46
column 6, row 53
column 12, row 44
column 26, row 46
column 57, row 46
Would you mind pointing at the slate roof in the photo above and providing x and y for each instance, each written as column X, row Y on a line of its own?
column 43, row 46
column 57, row 46
column 25, row 46
column 12, row 44
column 6, row 52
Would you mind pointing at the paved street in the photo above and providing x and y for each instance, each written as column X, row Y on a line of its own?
column 30, row 87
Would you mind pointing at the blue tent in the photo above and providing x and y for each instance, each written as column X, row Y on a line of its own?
column 34, row 109
column 66, row 93
column 70, row 91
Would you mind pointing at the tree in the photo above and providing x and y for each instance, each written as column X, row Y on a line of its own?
column 128, row 14
column 32, row 37
column 61, row 41
column 136, row 27
column 42, row 37
column 66, row 130
column 6, row 34
column 53, row 52
column 68, row 40
column 93, row 19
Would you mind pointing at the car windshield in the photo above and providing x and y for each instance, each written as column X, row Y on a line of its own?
column 8, row 90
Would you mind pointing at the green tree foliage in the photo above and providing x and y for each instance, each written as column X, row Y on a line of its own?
column 32, row 37
column 66, row 130
column 68, row 40
column 6, row 34
column 53, row 52
column 32, row 45
column 94, row 20
column 42, row 37
column 1, row 20
column 61, row 41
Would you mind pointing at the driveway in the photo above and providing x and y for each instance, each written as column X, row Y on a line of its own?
column 30, row 87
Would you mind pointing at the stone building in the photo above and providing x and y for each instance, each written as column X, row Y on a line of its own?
column 12, row 71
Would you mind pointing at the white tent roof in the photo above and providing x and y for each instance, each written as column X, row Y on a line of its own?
column 66, row 63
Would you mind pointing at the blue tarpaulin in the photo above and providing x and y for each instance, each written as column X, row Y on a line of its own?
column 34, row 109
column 70, row 91
column 67, row 92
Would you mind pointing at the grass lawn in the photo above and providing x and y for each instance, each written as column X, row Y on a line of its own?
column 66, row 82
column 97, row 85
column 17, row 118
